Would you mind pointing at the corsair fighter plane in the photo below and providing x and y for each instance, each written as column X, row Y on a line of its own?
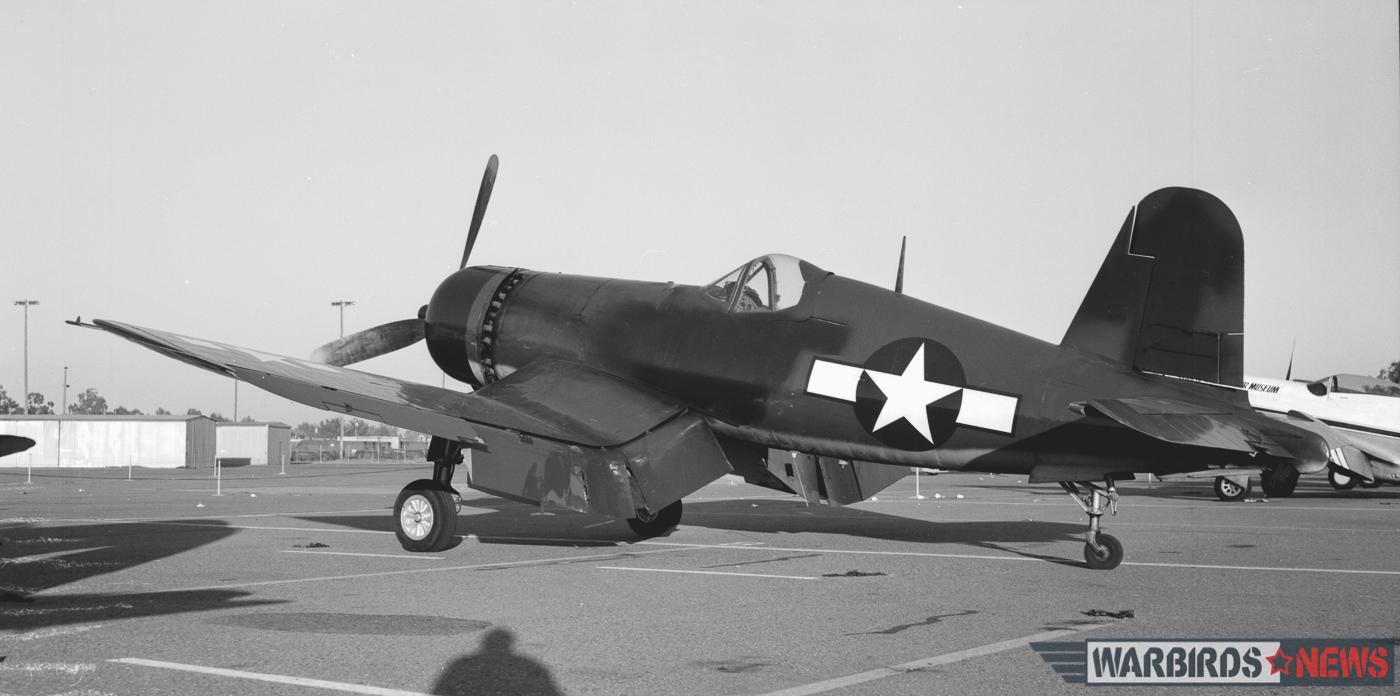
column 620, row 397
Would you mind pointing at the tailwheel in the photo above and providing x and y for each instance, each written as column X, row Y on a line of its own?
column 1101, row 551
column 1229, row 490
column 654, row 524
column 1108, row 554
column 425, row 516
column 1373, row 483
column 1341, row 481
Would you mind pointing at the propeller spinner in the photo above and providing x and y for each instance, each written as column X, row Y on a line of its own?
column 387, row 338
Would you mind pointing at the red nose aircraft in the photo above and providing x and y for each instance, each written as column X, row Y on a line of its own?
column 621, row 397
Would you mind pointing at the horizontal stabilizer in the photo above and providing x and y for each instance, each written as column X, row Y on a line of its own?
column 1201, row 425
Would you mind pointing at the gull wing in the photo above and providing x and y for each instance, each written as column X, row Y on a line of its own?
column 540, row 401
column 557, row 433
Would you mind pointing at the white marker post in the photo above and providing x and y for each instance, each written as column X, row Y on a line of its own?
column 218, row 476
column 917, row 496
column 29, row 475
column 282, row 456
column 128, row 466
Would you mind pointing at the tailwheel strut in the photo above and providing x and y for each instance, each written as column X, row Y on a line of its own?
column 1101, row 551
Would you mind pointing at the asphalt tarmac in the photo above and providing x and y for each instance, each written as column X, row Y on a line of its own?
column 294, row 584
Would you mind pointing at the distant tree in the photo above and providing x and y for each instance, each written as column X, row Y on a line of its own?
column 303, row 431
column 383, row 430
column 8, row 405
column 247, row 419
column 89, row 402
column 329, row 427
column 124, row 411
column 217, row 417
column 38, row 405
column 194, row 412
column 161, row 412
column 1391, row 373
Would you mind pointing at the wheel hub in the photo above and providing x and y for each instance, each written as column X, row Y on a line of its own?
column 416, row 519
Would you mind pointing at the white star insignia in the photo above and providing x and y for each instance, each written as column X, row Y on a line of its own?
column 907, row 395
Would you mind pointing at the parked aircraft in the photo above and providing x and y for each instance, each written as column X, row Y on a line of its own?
column 1364, row 412
column 621, row 397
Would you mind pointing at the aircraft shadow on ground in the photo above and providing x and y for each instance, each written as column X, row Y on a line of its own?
column 36, row 562
column 517, row 524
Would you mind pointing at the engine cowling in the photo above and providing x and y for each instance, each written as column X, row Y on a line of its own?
column 462, row 318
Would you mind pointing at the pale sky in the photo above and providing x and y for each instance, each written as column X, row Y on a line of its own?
column 227, row 169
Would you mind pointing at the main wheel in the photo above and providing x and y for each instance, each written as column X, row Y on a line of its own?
column 1277, row 484
column 1107, row 557
column 1229, row 491
column 1341, row 481
column 661, row 523
column 425, row 516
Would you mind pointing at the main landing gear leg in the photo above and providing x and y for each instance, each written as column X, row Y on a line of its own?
column 425, row 512
column 1101, row 551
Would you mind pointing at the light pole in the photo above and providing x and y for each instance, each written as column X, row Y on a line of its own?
column 64, row 412
column 26, row 304
column 342, row 304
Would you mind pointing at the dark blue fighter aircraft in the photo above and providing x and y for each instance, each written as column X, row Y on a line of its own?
column 621, row 397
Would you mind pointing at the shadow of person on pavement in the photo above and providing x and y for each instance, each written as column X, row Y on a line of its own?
column 496, row 670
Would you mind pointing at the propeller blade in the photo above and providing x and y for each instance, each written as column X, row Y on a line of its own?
column 488, row 182
column 370, row 343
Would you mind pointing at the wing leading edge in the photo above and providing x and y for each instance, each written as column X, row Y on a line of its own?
column 556, row 433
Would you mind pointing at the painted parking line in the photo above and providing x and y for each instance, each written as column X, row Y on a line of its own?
column 935, row 661
column 926, row 554
column 710, row 572
column 415, row 556
column 273, row 678
column 557, row 560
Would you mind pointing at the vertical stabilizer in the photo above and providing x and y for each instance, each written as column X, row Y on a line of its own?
column 1169, row 297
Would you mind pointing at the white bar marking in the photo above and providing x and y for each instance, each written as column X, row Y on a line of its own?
column 834, row 380
column 986, row 410
column 935, row 661
column 274, row 678
column 710, row 572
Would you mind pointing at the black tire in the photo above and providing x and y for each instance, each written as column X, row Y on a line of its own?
column 1341, row 481
column 1373, row 483
column 1229, row 491
column 1108, row 558
column 1279, row 483
column 425, row 516
column 660, row 524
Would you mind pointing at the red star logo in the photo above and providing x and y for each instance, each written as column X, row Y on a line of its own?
column 1278, row 662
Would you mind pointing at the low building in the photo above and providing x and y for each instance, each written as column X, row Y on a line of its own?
column 165, row 442
column 253, row 444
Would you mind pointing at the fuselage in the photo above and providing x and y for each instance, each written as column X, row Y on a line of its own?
column 750, row 370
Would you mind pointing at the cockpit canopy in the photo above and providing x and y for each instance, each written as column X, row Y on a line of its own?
column 766, row 284
column 1353, row 384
